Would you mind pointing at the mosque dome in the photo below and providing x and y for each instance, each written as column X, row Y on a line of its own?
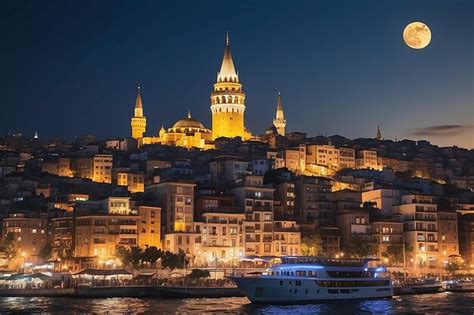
column 188, row 122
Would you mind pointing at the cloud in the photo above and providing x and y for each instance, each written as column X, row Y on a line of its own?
column 442, row 130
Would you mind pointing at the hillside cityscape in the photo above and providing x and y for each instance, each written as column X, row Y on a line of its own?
column 223, row 198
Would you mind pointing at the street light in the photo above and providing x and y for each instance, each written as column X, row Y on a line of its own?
column 23, row 254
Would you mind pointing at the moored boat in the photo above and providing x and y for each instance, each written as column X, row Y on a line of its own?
column 460, row 286
column 313, row 279
column 419, row 287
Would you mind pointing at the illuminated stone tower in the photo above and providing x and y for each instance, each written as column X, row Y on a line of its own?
column 280, row 122
column 379, row 134
column 228, row 100
column 138, row 121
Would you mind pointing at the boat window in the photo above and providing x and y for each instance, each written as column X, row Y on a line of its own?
column 281, row 282
column 306, row 291
column 289, row 283
column 345, row 291
column 333, row 291
column 353, row 283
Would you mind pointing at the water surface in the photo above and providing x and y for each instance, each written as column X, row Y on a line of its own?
column 441, row 303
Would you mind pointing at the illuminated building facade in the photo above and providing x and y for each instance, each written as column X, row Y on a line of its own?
column 420, row 217
column 99, row 235
column 98, row 168
column 176, row 200
column 30, row 235
column 149, row 226
column 186, row 132
column 135, row 181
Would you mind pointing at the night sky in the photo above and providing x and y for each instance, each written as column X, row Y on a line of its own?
column 70, row 68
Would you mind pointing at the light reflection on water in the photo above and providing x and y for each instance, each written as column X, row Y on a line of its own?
column 443, row 303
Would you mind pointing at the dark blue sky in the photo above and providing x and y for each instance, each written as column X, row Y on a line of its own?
column 72, row 67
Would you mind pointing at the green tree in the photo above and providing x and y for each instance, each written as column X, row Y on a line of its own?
column 359, row 247
column 312, row 245
column 8, row 248
column 46, row 252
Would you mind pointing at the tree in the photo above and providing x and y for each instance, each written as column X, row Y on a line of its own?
column 311, row 245
column 8, row 249
column 136, row 254
column 169, row 260
column 451, row 268
column 174, row 261
column 151, row 254
column 394, row 253
column 359, row 247
column 132, row 256
column 123, row 254
column 183, row 260
column 46, row 252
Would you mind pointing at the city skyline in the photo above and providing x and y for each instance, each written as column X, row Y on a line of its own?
column 425, row 94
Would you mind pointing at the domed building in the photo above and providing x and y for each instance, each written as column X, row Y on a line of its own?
column 227, row 110
column 186, row 132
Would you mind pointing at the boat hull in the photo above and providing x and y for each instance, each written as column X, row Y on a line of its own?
column 461, row 288
column 306, row 290
column 418, row 289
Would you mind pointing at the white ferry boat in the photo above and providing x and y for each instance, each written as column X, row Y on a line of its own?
column 312, row 279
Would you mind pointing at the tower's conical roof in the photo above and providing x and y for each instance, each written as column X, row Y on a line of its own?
column 138, row 101
column 279, row 105
column 227, row 67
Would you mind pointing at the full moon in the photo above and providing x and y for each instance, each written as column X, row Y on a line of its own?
column 417, row 35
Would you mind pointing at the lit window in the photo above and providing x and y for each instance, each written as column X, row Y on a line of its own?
column 33, row 231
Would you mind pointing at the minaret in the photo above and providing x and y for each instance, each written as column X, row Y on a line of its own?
column 379, row 133
column 138, row 121
column 228, row 100
column 280, row 122
column 36, row 135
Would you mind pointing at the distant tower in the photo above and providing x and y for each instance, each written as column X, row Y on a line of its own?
column 280, row 122
column 379, row 133
column 227, row 100
column 36, row 135
column 138, row 121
